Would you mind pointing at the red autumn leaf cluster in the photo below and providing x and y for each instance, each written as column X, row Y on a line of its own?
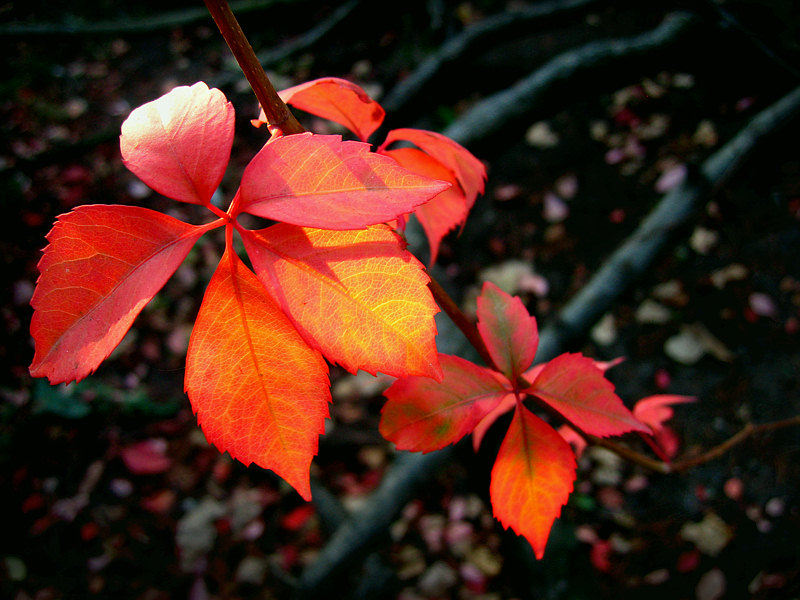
column 535, row 468
column 434, row 155
column 329, row 280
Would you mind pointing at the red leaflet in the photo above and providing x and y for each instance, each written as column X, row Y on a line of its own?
column 532, row 478
column 657, row 410
column 103, row 265
column 445, row 211
column 179, row 144
column 258, row 390
column 421, row 414
column 509, row 332
column 357, row 296
column 576, row 388
column 338, row 100
column 321, row 181
column 438, row 156
column 469, row 171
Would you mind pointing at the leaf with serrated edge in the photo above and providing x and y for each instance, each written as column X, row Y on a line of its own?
column 180, row 144
column 102, row 266
column 421, row 414
column 338, row 100
column 532, row 478
column 259, row 391
column 469, row 171
column 507, row 329
column 321, row 181
column 446, row 210
column 358, row 296
column 509, row 401
column 574, row 386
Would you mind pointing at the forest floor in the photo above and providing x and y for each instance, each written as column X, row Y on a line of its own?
column 110, row 488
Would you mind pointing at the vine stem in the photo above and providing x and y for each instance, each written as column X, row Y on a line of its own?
column 457, row 316
column 278, row 116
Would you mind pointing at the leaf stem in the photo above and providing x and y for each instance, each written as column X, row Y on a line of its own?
column 746, row 432
column 278, row 115
column 467, row 327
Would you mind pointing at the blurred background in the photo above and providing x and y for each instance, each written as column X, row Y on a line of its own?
column 587, row 115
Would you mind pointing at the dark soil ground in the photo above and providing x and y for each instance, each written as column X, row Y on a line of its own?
column 109, row 487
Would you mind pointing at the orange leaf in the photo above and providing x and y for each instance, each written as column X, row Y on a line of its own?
column 321, row 181
column 469, row 171
column 338, row 100
column 259, row 391
column 358, row 296
column 532, row 478
column 179, row 145
column 508, row 330
column 574, row 386
column 103, row 265
column 421, row 414
column 443, row 212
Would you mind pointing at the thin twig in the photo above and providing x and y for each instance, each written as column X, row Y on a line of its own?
column 748, row 431
column 460, row 320
column 278, row 115
column 303, row 41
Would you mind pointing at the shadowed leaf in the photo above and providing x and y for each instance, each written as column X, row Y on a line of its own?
column 358, row 296
column 421, row 414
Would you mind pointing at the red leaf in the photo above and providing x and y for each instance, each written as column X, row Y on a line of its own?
column 532, row 478
column 508, row 330
column 321, row 181
column 103, row 265
column 574, row 386
column 258, row 390
column 469, row 171
column 443, row 212
column 358, row 296
column 179, row 145
column 147, row 457
column 338, row 100
column 657, row 410
column 296, row 519
column 421, row 414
